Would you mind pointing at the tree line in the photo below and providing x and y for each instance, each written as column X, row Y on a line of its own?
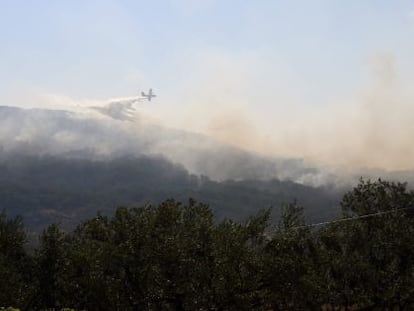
column 174, row 256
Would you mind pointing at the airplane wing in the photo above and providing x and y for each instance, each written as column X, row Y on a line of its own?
column 148, row 96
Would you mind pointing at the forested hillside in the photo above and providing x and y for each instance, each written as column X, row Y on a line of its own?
column 174, row 256
column 47, row 189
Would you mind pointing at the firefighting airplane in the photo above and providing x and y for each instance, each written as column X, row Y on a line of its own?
column 149, row 95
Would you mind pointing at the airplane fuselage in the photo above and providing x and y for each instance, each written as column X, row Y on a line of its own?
column 148, row 96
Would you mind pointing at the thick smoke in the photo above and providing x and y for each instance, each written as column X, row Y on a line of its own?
column 371, row 130
column 216, row 130
column 117, row 129
column 240, row 102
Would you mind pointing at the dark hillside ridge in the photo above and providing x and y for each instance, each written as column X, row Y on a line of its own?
column 48, row 189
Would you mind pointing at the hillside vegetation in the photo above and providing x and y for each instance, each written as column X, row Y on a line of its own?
column 173, row 256
column 47, row 189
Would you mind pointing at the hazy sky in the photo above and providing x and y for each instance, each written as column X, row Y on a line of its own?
column 300, row 78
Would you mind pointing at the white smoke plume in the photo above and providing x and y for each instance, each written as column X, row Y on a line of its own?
column 117, row 128
column 240, row 101
column 212, row 129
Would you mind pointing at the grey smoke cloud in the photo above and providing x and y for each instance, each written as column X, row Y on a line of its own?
column 121, row 130
column 216, row 132
column 371, row 130
column 241, row 103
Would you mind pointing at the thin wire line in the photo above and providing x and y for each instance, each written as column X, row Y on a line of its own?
column 354, row 218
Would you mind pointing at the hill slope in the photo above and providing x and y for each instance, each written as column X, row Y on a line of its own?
column 52, row 189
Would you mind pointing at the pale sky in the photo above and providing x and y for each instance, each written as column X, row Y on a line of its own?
column 245, row 65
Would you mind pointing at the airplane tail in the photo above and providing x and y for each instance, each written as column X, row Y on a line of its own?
column 143, row 94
